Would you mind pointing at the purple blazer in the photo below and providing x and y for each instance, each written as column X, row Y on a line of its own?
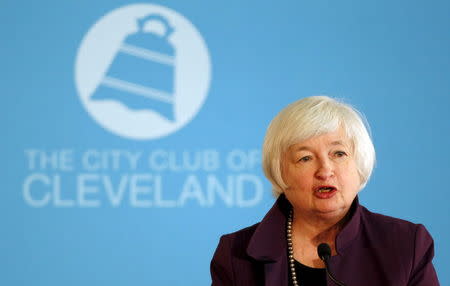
column 372, row 250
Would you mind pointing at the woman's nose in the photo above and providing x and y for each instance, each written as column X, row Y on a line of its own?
column 325, row 170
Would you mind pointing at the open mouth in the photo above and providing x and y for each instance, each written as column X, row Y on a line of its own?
column 326, row 189
column 325, row 192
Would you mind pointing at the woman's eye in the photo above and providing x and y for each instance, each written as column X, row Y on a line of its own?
column 305, row 159
column 340, row 153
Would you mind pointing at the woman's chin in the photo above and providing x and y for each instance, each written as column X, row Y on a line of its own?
column 330, row 211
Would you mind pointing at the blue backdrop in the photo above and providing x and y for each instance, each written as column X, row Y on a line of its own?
column 108, row 192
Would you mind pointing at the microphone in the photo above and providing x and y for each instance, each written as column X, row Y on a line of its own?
column 324, row 252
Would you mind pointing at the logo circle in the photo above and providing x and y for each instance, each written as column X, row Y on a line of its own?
column 142, row 71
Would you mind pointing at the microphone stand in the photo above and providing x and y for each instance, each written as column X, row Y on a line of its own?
column 324, row 252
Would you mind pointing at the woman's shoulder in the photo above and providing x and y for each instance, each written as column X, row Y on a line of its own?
column 378, row 220
column 391, row 228
column 240, row 238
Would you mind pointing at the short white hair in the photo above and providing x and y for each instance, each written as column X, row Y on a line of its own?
column 313, row 116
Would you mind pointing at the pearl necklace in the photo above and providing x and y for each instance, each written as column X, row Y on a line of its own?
column 291, row 249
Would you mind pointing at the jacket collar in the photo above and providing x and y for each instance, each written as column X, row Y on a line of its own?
column 268, row 242
column 351, row 228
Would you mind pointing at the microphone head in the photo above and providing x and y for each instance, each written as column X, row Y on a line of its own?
column 324, row 251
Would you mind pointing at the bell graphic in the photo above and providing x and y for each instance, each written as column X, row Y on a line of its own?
column 142, row 74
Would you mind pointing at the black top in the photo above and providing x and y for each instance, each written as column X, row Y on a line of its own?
column 307, row 276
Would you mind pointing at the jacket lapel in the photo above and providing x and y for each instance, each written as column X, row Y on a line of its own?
column 269, row 245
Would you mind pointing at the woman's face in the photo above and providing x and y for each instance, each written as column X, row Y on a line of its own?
column 321, row 175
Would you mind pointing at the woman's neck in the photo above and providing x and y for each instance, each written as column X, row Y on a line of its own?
column 309, row 232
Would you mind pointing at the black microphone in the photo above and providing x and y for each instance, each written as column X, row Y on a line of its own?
column 324, row 252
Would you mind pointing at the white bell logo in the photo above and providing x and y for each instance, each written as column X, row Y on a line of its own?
column 143, row 71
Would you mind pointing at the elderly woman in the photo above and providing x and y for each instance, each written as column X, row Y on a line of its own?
column 318, row 155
